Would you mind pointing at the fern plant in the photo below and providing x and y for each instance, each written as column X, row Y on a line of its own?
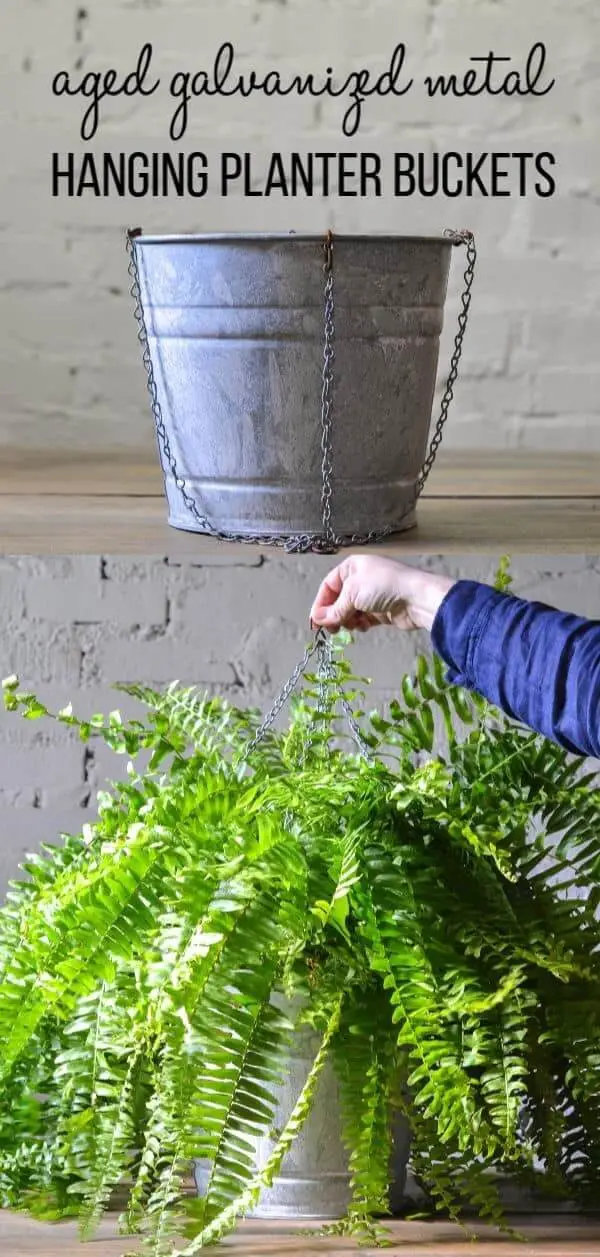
column 434, row 914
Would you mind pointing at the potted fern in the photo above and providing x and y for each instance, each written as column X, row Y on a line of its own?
column 431, row 915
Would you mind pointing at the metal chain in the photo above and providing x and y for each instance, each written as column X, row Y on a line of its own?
column 284, row 693
column 322, row 646
column 329, row 542
column 467, row 238
column 325, row 669
column 355, row 729
column 327, row 397
column 353, row 724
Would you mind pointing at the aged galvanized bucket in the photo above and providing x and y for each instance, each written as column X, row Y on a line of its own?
column 315, row 1182
column 292, row 379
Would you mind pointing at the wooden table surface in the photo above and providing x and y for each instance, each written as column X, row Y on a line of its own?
column 60, row 503
column 554, row 1237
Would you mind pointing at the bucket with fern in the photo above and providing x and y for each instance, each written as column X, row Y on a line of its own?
column 424, row 907
column 314, row 1182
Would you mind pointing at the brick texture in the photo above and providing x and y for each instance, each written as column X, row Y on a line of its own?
column 69, row 365
column 71, row 628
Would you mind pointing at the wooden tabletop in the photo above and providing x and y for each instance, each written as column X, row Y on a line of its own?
column 60, row 503
column 554, row 1237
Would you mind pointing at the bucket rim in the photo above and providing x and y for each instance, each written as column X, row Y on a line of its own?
column 252, row 237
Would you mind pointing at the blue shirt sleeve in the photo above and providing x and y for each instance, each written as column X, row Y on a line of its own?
column 539, row 665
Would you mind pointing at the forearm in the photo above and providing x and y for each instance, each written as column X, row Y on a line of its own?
column 539, row 665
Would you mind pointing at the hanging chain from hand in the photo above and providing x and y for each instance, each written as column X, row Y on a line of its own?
column 327, row 672
column 328, row 542
column 321, row 645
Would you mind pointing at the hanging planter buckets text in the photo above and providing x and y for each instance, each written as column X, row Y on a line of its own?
column 292, row 379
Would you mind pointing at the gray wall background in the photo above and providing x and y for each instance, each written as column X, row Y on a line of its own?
column 69, row 368
column 71, row 628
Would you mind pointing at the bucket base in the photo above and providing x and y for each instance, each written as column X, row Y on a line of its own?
column 307, row 1191
column 320, row 1198
column 269, row 509
column 183, row 524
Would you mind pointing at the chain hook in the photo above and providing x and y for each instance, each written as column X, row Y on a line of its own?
column 321, row 638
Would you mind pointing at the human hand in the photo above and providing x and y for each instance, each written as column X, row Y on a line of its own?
column 367, row 590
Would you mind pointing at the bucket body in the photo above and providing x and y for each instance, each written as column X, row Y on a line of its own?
column 314, row 1183
column 235, row 327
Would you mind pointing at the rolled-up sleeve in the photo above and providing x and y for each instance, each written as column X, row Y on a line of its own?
column 539, row 665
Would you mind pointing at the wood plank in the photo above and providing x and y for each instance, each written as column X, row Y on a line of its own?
column 553, row 1237
column 137, row 525
column 515, row 474
column 125, row 472
column 117, row 473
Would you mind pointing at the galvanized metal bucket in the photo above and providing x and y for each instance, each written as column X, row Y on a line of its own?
column 315, row 1182
column 292, row 379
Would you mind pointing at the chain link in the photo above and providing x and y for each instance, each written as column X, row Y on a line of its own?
column 329, row 542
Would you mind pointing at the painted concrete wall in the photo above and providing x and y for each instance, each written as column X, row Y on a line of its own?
column 69, row 367
column 71, row 628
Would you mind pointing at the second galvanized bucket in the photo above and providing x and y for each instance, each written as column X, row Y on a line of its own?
column 292, row 379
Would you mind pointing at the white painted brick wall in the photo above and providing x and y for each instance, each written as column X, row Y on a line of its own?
column 73, row 627
column 69, row 368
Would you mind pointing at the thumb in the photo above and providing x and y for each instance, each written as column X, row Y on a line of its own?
column 338, row 613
